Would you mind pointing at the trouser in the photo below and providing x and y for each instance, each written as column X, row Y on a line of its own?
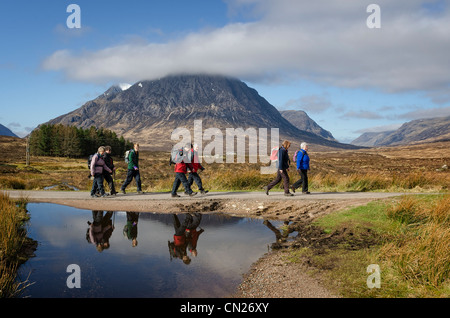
column 180, row 228
column 280, row 175
column 196, row 219
column 109, row 179
column 97, row 185
column 302, row 181
column 193, row 176
column 181, row 178
column 131, row 173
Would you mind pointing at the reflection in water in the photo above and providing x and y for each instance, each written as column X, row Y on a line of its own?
column 100, row 230
column 119, row 266
column 131, row 228
column 186, row 235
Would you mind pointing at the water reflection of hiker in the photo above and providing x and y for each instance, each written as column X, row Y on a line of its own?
column 182, row 162
column 193, row 174
column 192, row 234
column 100, row 230
column 177, row 248
column 302, row 160
column 97, row 167
column 283, row 167
column 110, row 164
column 131, row 228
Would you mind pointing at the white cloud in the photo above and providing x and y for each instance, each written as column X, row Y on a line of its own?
column 327, row 42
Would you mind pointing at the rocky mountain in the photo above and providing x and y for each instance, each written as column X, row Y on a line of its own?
column 4, row 131
column 371, row 139
column 302, row 121
column 416, row 131
column 148, row 111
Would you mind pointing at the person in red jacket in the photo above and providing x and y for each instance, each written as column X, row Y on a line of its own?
column 181, row 167
column 177, row 248
column 192, row 234
column 196, row 165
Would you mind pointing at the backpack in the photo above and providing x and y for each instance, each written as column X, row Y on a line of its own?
column 176, row 156
column 90, row 160
column 294, row 158
column 274, row 154
column 127, row 156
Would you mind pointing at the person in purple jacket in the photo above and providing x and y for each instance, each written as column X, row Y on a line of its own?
column 97, row 167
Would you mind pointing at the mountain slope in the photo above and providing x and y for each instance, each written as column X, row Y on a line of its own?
column 416, row 131
column 302, row 121
column 148, row 111
column 4, row 131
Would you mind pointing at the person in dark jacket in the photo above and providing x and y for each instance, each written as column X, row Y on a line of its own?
column 180, row 172
column 97, row 167
column 302, row 168
column 283, row 167
column 133, row 170
column 193, row 174
column 106, row 175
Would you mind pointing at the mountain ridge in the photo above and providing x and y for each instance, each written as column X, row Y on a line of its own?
column 149, row 110
column 412, row 132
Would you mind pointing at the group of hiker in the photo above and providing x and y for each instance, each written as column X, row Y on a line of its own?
column 186, row 160
column 185, row 237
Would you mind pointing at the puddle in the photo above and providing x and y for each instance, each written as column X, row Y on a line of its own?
column 138, row 257
column 62, row 186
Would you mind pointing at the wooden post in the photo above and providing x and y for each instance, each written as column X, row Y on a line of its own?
column 28, row 151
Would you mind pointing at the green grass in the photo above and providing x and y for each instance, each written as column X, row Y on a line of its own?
column 409, row 239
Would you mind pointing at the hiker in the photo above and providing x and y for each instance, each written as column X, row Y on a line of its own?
column 192, row 234
column 177, row 248
column 196, row 165
column 283, row 167
column 108, row 176
column 98, row 165
column 100, row 230
column 133, row 170
column 130, row 229
column 181, row 165
column 302, row 168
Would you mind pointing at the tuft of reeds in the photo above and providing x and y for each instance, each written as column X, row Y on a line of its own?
column 421, row 251
column 12, row 238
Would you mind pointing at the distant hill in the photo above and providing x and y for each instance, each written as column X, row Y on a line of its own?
column 413, row 132
column 4, row 131
column 148, row 111
column 302, row 121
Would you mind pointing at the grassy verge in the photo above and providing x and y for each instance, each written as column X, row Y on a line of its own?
column 329, row 174
column 13, row 240
column 408, row 238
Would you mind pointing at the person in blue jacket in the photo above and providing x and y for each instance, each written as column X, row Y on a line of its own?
column 283, row 167
column 302, row 168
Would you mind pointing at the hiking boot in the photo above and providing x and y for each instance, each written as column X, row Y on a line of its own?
column 204, row 191
column 104, row 195
column 114, row 193
column 293, row 189
column 122, row 191
column 306, row 192
column 288, row 194
column 192, row 194
column 175, row 196
column 266, row 189
column 140, row 192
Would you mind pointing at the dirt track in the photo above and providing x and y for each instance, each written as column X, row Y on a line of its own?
column 246, row 204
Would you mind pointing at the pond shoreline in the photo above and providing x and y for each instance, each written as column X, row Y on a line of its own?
column 272, row 276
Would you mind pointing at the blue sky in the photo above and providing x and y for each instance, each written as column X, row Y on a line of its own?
column 320, row 56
